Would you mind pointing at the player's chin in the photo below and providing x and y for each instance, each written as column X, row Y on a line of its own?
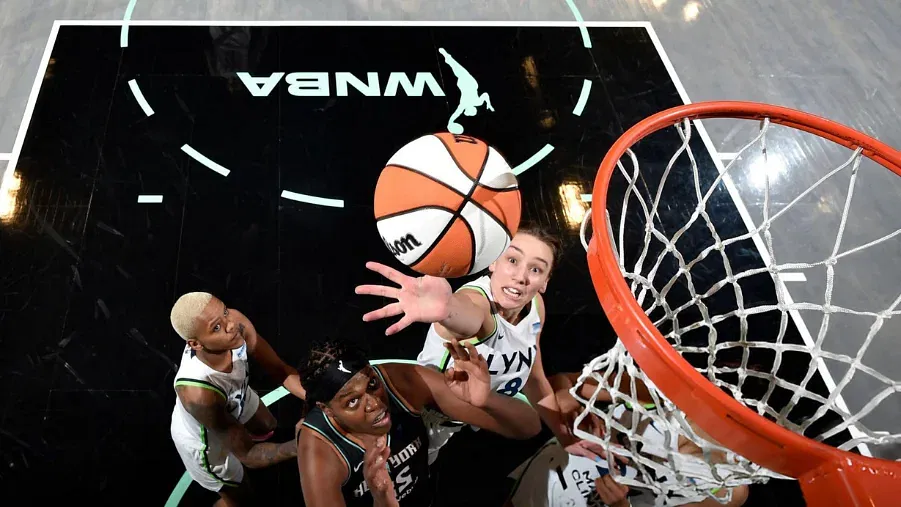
column 381, row 424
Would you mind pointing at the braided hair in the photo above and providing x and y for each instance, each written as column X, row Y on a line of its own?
column 317, row 368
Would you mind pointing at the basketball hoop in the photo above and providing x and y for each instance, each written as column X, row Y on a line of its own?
column 762, row 441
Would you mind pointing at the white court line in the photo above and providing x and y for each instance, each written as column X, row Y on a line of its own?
column 726, row 155
column 150, row 199
column 312, row 199
column 238, row 22
column 126, row 21
column 5, row 156
column 758, row 241
column 33, row 97
column 200, row 157
column 139, row 96
column 534, row 159
column 583, row 97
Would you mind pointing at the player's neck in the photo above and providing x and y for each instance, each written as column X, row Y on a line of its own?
column 219, row 361
column 514, row 315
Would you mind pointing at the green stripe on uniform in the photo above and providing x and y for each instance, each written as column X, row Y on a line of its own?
column 199, row 383
column 206, row 461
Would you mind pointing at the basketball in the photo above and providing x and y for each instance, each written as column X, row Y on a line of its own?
column 447, row 205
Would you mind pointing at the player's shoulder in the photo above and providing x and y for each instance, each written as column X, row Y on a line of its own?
column 406, row 381
column 539, row 300
column 204, row 404
column 319, row 454
column 199, row 392
column 479, row 287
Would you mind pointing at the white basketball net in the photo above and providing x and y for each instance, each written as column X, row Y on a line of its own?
column 648, row 436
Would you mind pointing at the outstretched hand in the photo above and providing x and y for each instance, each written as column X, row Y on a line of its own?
column 375, row 471
column 468, row 378
column 423, row 299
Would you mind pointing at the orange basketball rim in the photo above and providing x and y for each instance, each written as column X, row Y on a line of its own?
column 828, row 476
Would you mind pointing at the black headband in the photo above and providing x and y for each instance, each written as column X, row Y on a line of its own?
column 338, row 373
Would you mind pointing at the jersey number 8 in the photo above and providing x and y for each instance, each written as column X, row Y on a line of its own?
column 511, row 388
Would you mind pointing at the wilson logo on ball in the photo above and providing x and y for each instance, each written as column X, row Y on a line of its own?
column 402, row 245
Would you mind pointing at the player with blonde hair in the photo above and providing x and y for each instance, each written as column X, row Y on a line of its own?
column 218, row 423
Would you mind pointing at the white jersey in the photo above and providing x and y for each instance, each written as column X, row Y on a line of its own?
column 555, row 478
column 205, row 456
column 232, row 385
column 510, row 352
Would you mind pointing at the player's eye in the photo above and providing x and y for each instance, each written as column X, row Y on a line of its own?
column 226, row 311
column 373, row 383
column 217, row 327
column 353, row 402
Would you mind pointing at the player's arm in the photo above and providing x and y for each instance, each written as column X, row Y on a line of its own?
column 540, row 393
column 322, row 472
column 503, row 415
column 208, row 408
column 263, row 353
column 429, row 299
column 469, row 314
column 560, row 381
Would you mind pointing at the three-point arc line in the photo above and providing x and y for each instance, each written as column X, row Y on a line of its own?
column 534, row 159
column 312, row 199
column 200, row 157
column 583, row 97
column 139, row 96
column 586, row 40
column 123, row 35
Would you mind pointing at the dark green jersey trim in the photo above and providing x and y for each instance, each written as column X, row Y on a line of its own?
column 200, row 383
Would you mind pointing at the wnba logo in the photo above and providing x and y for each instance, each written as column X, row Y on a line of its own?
column 403, row 245
column 318, row 84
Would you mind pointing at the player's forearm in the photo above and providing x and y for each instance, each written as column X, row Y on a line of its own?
column 464, row 318
column 515, row 419
column 293, row 385
column 562, row 381
column 269, row 360
column 267, row 454
column 549, row 412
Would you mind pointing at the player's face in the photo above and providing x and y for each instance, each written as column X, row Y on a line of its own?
column 219, row 328
column 361, row 406
column 521, row 272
